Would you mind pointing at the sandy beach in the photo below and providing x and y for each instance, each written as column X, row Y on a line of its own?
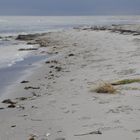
column 57, row 100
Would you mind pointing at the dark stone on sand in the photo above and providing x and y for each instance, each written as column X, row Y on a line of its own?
column 58, row 68
column 52, row 66
column 27, row 49
column 11, row 106
column 30, row 87
column 27, row 37
column 22, row 82
column 13, row 126
column 52, row 61
column 71, row 54
column 22, row 98
column 32, row 138
column 8, row 101
column 1, row 108
column 31, row 43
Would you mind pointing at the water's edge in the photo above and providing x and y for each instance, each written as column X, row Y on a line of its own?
column 10, row 75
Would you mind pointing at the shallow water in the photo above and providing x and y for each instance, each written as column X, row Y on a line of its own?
column 10, row 75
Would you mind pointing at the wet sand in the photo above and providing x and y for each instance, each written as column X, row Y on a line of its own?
column 58, row 103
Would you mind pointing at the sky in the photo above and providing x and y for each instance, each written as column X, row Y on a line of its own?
column 69, row 7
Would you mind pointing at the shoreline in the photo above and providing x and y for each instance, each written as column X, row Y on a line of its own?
column 58, row 103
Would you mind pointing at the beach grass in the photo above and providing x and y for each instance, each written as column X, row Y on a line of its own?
column 105, row 88
column 126, row 81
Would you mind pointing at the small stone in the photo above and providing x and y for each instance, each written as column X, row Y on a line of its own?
column 11, row 106
column 71, row 54
column 1, row 108
column 58, row 68
column 13, row 126
column 8, row 101
column 24, row 82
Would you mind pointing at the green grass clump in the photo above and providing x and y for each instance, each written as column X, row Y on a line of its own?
column 126, row 81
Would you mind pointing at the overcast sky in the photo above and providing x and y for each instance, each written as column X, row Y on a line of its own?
column 69, row 7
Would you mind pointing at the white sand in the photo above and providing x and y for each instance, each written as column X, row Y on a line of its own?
column 66, row 107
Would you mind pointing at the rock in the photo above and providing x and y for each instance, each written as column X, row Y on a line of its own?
column 13, row 126
column 52, row 61
column 1, row 108
column 27, row 49
column 58, row 68
column 31, row 43
column 51, row 66
column 27, row 37
column 22, row 98
column 11, row 106
column 30, row 87
column 71, row 54
column 24, row 82
column 8, row 101
column 32, row 138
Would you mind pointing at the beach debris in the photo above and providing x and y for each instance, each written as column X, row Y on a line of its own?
column 90, row 133
column 8, row 101
column 51, row 66
column 22, row 82
column 32, row 137
column 11, row 106
column 30, row 87
column 58, row 68
column 27, row 37
column 34, row 107
column 126, row 81
column 1, row 108
column 71, row 54
column 35, row 95
column 27, row 49
column 105, row 88
column 13, row 126
column 52, row 61
column 33, row 42
column 113, row 28
column 22, row 98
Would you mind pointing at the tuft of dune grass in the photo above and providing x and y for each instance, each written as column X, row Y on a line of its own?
column 105, row 88
column 126, row 81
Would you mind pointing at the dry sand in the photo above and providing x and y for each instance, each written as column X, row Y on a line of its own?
column 63, row 106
